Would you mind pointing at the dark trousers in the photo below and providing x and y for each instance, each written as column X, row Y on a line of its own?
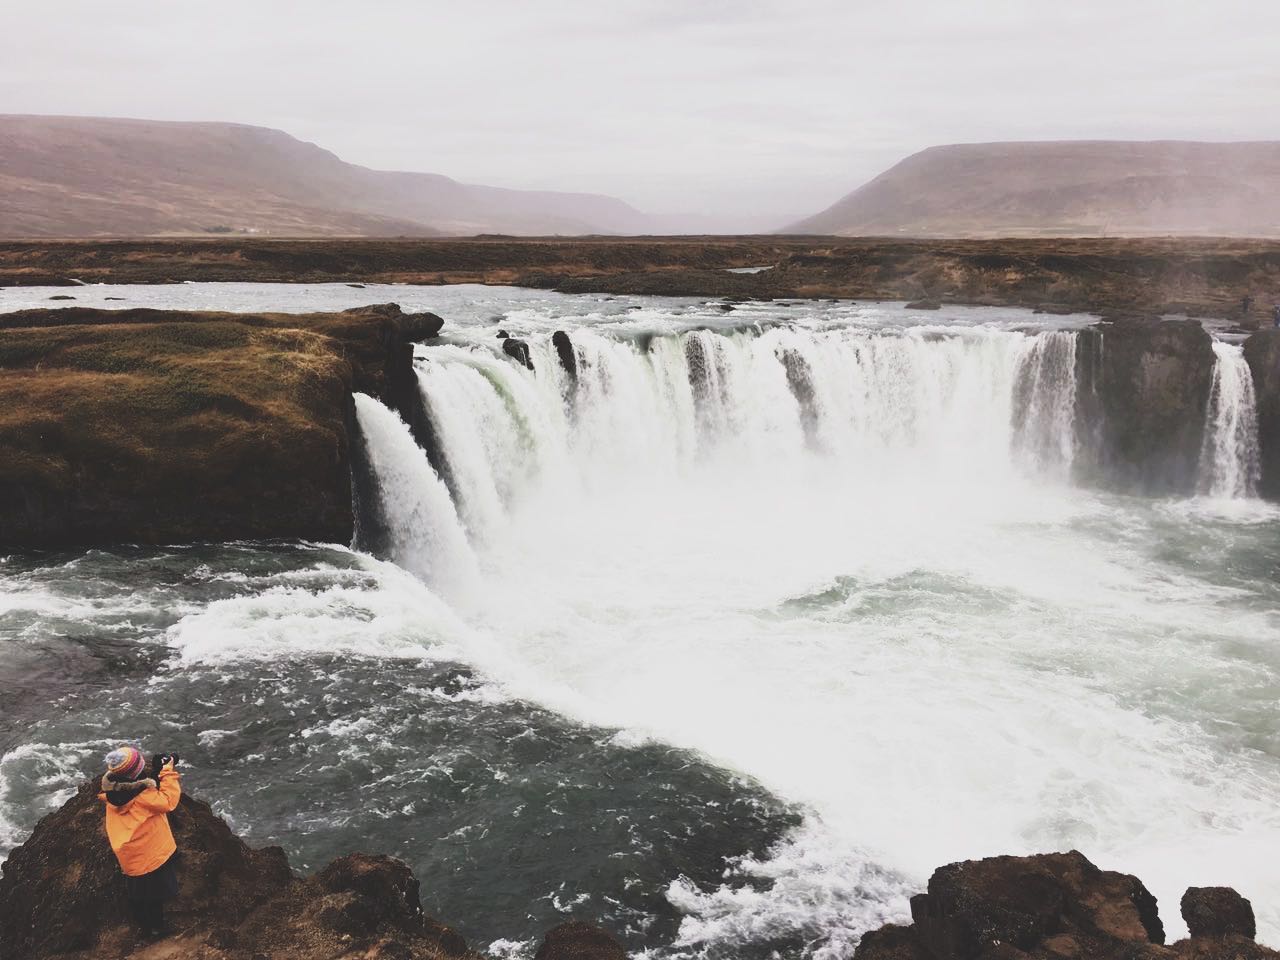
column 148, row 893
column 148, row 914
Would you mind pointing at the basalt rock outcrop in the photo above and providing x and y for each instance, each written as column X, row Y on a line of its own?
column 576, row 940
column 151, row 426
column 62, row 895
column 568, row 357
column 516, row 349
column 1218, row 912
column 1057, row 906
column 1262, row 352
column 800, row 380
column 1147, row 384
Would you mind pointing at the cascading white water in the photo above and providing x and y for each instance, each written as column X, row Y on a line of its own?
column 1046, row 402
column 426, row 536
column 829, row 568
column 980, row 403
column 1230, row 460
column 672, row 518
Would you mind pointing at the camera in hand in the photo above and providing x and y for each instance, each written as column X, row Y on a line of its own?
column 159, row 760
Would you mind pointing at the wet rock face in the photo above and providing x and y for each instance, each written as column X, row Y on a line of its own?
column 1217, row 912
column 1058, row 906
column 1262, row 352
column 972, row 906
column 62, row 892
column 800, row 380
column 701, row 363
column 576, row 940
column 1152, row 388
column 891, row 942
column 518, row 351
column 568, row 358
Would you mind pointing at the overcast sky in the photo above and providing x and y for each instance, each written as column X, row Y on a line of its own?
column 733, row 107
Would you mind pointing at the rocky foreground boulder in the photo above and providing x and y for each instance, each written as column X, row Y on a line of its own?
column 62, row 895
column 576, row 940
column 1059, row 906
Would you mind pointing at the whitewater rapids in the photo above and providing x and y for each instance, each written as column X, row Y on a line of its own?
column 838, row 555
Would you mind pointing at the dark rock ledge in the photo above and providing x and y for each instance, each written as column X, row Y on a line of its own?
column 61, row 895
column 1059, row 906
column 1262, row 352
column 164, row 426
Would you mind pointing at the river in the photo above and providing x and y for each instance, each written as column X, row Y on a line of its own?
column 726, row 642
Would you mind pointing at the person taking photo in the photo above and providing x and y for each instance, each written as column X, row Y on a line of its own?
column 137, row 823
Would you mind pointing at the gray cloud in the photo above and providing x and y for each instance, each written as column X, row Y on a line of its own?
column 741, row 108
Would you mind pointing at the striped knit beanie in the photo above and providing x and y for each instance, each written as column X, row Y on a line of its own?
column 125, row 763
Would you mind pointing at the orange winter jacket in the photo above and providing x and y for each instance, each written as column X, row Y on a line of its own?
column 139, row 830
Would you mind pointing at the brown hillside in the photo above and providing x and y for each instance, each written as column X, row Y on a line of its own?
column 88, row 176
column 1073, row 188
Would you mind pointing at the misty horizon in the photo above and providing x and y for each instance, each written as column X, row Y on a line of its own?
column 568, row 189
column 753, row 111
column 664, row 479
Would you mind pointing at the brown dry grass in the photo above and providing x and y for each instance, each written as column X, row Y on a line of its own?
column 1155, row 275
column 169, row 428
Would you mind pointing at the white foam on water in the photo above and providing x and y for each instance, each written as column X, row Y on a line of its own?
column 943, row 726
column 39, row 603
column 842, row 560
column 848, row 565
column 375, row 610
column 48, row 772
column 816, row 889
column 511, row 949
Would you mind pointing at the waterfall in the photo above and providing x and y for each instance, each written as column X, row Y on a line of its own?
column 1045, row 405
column 426, row 537
column 774, row 409
column 915, row 400
column 1230, row 462
column 500, row 427
column 978, row 403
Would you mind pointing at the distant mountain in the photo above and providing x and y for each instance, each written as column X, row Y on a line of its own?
column 88, row 176
column 1067, row 188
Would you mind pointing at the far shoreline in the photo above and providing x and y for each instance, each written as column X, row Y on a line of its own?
column 1113, row 278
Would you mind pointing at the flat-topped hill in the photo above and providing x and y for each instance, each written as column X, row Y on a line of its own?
column 1067, row 188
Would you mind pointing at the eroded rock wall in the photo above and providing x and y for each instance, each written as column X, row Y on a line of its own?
column 1059, row 906
column 1144, row 393
column 147, row 426
column 1262, row 352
